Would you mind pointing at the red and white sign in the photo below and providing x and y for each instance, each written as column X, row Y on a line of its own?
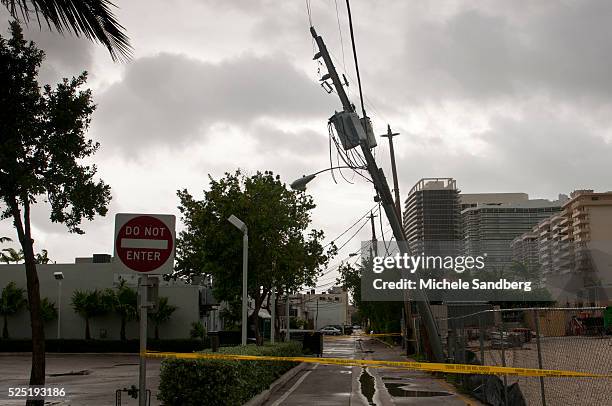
column 144, row 243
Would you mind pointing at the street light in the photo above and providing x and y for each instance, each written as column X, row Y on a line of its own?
column 300, row 183
column 239, row 224
column 59, row 276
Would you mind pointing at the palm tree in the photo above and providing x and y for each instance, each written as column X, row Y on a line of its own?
column 11, row 301
column 92, row 303
column 162, row 315
column 43, row 257
column 48, row 311
column 126, row 305
column 11, row 255
column 93, row 19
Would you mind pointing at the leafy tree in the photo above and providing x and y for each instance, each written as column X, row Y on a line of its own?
column 48, row 310
column 162, row 315
column 12, row 301
column 381, row 316
column 91, row 18
column 126, row 305
column 42, row 144
column 92, row 303
column 281, row 254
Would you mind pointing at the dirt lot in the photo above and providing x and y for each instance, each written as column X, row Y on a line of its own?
column 583, row 354
column 100, row 375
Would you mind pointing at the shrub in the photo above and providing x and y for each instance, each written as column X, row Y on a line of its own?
column 223, row 382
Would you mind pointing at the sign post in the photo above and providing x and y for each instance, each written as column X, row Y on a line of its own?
column 144, row 243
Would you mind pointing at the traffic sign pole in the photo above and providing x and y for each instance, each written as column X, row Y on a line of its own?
column 144, row 243
column 142, row 380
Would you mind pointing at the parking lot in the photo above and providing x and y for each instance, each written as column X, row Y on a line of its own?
column 88, row 379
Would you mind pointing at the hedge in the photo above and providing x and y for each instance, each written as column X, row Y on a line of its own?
column 101, row 346
column 223, row 382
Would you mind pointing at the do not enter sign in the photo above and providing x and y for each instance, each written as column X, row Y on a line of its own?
column 144, row 243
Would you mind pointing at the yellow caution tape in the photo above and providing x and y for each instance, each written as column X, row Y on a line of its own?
column 421, row 366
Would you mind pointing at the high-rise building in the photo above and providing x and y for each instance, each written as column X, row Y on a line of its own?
column 432, row 215
column 490, row 228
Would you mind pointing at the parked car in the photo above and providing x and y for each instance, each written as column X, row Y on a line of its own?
column 332, row 331
column 348, row 329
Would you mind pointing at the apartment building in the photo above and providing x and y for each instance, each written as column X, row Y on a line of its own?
column 574, row 249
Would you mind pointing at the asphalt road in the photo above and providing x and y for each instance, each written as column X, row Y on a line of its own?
column 341, row 385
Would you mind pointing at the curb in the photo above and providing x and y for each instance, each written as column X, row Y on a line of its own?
column 261, row 398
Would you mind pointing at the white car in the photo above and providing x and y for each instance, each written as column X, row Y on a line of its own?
column 332, row 331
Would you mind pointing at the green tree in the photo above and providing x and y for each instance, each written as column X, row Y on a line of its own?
column 281, row 252
column 126, row 305
column 12, row 301
column 92, row 303
column 43, row 257
column 90, row 18
column 197, row 330
column 48, row 310
column 42, row 147
column 162, row 314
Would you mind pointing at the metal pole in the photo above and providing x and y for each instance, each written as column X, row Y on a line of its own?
column 59, row 308
column 144, row 305
column 288, row 335
column 245, row 262
column 272, row 314
column 374, row 241
column 481, row 342
column 503, row 355
column 537, row 329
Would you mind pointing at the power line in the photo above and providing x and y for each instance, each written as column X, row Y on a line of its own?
column 352, row 225
column 348, row 8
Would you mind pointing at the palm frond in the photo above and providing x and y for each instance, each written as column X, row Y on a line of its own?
column 92, row 18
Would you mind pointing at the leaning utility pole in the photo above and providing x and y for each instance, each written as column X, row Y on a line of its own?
column 382, row 188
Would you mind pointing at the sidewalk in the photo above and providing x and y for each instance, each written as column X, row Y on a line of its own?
column 400, row 386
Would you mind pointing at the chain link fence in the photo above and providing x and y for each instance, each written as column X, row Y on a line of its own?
column 543, row 338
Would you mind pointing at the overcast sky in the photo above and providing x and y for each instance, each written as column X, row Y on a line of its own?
column 504, row 96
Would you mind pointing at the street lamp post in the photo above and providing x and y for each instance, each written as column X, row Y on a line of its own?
column 236, row 222
column 59, row 276
column 300, row 183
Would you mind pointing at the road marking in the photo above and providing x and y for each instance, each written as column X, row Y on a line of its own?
column 294, row 387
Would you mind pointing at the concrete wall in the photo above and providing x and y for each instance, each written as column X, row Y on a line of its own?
column 89, row 276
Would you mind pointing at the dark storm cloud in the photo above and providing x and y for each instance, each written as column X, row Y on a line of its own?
column 541, row 153
column 171, row 98
column 561, row 49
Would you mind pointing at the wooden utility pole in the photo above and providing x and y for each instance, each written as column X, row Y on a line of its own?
column 398, row 203
column 374, row 240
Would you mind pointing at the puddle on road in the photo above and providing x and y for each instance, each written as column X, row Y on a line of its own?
column 397, row 390
column 367, row 386
column 72, row 373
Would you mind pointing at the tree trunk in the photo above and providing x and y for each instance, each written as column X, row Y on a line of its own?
column 5, row 334
column 87, row 334
column 255, row 315
column 37, row 374
column 122, row 333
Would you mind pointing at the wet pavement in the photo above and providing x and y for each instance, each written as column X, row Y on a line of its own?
column 342, row 385
column 88, row 379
